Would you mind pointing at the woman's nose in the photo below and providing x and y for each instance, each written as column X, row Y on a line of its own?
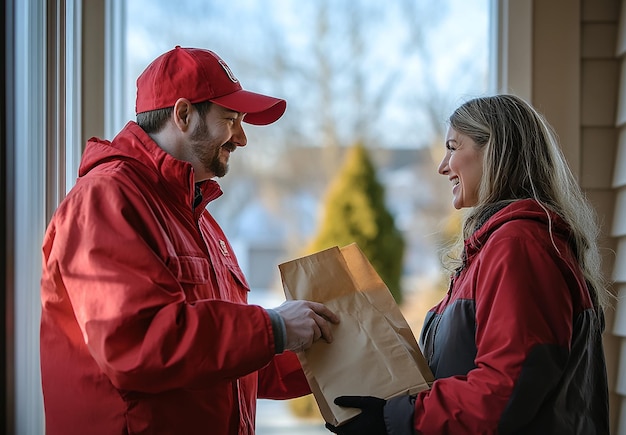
column 443, row 166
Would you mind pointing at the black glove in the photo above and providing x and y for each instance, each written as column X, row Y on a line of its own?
column 369, row 422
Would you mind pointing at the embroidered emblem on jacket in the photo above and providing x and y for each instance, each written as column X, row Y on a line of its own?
column 224, row 249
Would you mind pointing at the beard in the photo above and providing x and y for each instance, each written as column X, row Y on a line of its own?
column 208, row 151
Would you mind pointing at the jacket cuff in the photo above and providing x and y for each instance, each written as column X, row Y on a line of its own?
column 279, row 330
column 398, row 414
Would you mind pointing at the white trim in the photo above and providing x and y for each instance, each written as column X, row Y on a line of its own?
column 41, row 84
column 29, row 213
column 511, row 64
column 114, row 59
column 73, row 96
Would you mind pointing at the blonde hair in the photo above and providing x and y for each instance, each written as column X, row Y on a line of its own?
column 522, row 159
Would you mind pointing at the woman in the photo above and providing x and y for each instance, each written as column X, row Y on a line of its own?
column 515, row 345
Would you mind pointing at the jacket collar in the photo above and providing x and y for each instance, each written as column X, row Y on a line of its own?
column 133, row 143
column 528, row 209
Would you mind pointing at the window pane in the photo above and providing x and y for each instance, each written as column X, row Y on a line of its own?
column 380, row 73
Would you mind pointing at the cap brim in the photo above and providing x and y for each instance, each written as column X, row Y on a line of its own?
column 259, row 109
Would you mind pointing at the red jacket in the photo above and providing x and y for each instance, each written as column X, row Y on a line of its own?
column 145, row 326
column 516, row 345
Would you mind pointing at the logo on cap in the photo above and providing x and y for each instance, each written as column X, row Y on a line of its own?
column 228, row 71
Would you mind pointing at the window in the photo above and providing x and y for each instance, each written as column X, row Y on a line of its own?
column 42, row 154
column 375, row 94
column 386, row 75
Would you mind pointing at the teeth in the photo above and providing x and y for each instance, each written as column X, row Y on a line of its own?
column 455, row 181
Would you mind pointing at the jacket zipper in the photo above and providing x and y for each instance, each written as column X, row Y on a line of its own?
column 438, row 319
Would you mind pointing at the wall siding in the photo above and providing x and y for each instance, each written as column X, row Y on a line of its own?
column 618, row 227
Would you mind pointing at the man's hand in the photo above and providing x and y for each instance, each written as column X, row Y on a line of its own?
column 305, row 323
column 370, row 421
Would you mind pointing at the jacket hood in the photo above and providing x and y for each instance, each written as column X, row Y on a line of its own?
column 525, row 209
column 133, row 144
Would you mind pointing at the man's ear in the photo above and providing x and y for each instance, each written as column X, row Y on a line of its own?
column 182, row 114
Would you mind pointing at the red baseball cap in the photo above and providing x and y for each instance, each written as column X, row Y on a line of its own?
column 201, row 75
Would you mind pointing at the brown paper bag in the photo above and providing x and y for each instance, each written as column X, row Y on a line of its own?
column 374, row 352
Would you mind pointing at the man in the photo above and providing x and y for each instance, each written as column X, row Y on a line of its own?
column 145, row 325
